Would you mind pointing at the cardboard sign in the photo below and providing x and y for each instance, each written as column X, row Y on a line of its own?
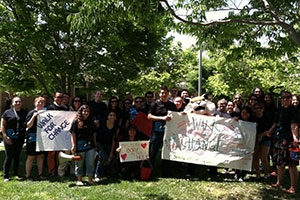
column 134, row 151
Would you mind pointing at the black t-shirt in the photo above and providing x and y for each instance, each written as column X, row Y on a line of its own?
column 28, row 117
column 13, row 125
column 104, row 134
column 159, row 108
column 84, row 135
column 99, row 109
column 56, row 107
column 285, row 117
column 263, row 124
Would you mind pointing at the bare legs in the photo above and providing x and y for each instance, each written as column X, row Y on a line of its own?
column 29, row 162
column 293, row 177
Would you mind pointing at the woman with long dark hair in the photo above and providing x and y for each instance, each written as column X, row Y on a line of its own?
column 83, row 143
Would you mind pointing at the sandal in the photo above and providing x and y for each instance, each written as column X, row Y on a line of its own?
column 275, row 185
column 289, row 191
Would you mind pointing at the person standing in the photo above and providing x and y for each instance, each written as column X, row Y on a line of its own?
column 76, row 103
column 52, row 156
column 286, row 136
column 105, row 142
column 262, row 145
column 31, row 122
column 83, row 144
column 149, row 97
column 158, row 113
column 98, row 107
column 13, row 129
column 173, row 93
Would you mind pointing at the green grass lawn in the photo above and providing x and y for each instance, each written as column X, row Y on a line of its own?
column 201, row 187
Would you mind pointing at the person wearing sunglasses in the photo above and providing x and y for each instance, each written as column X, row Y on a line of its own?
column 149, row 98
column 76, row 103
column 262, row 146
column 52, row 156
column 285, row 134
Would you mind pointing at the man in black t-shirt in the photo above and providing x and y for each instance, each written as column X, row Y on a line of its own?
column 158, row 113
column 98, row 107
column 52, row 156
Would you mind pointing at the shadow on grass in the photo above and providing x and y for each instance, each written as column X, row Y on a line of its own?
column 177, row 171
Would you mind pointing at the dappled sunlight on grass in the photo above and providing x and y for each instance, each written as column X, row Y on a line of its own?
column 200, row 187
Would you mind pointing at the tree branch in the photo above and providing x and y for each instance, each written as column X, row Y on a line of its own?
column 223, row 21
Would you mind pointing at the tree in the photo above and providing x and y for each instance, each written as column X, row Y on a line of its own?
column 243, row 73
column 37, row 48
column 41, row 52
column 245, row 23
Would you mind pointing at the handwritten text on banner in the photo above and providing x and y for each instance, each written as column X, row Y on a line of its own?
column 210, row 141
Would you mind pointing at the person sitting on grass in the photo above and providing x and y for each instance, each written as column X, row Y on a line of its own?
column 129, row 169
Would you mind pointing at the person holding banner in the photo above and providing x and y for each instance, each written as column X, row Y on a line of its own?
column 52, row 156
column 158, row 114
column 83, row 143
column 263, row 142
column 13, row 129
column 31, row 120
column 286, row 136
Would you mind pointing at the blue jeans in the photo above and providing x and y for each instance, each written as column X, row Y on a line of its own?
column 156, row 142
column 103, row 163
column 88, row 158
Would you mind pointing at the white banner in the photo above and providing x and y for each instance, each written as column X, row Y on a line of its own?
column 208, row 140
column 134, row 151
column 53, row 130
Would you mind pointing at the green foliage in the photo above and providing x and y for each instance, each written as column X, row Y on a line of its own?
column 240, row 74
column 242, row 22
column 108, row 43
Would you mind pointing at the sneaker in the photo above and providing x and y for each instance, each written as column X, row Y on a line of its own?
column 97, row 179
column 236, row 177
column 29, row 178
column 79, row 183
column 6, row 180
column 241, row 180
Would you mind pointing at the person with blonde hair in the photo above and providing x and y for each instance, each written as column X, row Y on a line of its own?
column 31, row 123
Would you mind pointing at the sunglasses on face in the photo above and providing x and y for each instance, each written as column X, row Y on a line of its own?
column 285, row 97
column 139, row 102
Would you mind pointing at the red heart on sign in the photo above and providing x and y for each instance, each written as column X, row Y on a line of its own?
column 123, row 156
column 144, row 145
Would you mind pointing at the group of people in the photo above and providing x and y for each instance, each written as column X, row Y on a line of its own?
column 98, row 128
